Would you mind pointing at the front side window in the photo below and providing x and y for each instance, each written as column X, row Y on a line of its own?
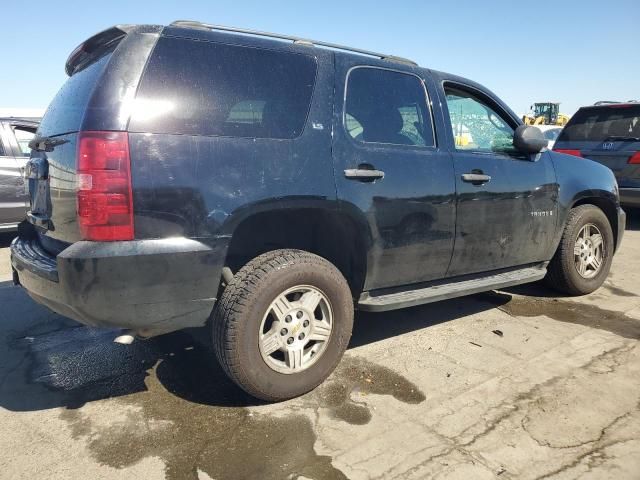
column 476, row 126
column 384, row 106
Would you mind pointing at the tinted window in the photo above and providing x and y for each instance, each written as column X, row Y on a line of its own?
column 603, row 123
column 67, row 109
column 476, row 125
column 203, row 88
column 383, row 106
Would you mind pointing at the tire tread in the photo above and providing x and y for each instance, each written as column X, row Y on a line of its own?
column 236, row 299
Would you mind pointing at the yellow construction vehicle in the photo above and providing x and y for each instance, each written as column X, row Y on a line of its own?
column 545, row 113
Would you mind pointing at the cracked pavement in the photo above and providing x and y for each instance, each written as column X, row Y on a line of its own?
column 427, row 392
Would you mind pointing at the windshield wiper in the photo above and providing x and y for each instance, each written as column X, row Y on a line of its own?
column 622, row 138
column 45, row 144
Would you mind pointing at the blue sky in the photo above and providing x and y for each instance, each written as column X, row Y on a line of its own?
column 575, row 51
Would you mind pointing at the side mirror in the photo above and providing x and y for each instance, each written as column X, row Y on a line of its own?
column 529, row 139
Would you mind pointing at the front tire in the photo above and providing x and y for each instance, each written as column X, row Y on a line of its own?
column 583, row 259
column 282, row 324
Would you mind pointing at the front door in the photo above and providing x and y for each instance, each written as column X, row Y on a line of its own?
column 390, row 171
column 506, row 200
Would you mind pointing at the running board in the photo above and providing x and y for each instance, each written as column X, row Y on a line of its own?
column 445, row 291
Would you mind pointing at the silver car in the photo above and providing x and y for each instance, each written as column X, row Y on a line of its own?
column 15, row 135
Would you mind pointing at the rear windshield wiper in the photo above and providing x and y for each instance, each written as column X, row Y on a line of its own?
column 622, row 138
column 45, row 144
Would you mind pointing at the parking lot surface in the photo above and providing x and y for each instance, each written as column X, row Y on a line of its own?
column 512, row 384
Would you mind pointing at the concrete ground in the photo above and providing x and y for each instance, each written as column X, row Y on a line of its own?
column 513, row 384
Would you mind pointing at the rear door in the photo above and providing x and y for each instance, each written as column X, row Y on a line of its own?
column 609, row 135
column 506, row 200
column 389, row 169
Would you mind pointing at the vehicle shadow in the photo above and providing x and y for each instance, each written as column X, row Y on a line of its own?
column 6, row 238
column 47, row 361
column 633, row 218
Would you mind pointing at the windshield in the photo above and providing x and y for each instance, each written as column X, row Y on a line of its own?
column 603, row 123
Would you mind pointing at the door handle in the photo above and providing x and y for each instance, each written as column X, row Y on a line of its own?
column 476, row 178
column 364, row 175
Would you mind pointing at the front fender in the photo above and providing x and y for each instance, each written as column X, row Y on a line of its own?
column 582, row 181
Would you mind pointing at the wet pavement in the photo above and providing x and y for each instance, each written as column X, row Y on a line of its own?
column 427, row 392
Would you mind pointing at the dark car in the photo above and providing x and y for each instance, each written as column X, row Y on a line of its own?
column 15, row 134
column 196, row 172
column 608, row 133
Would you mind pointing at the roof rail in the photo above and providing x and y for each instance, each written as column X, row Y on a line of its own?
column 301, row 41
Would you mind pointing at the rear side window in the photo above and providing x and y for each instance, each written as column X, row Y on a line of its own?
column 66, row 111
column 602, row 124
column 384, row 106
column 204, row 88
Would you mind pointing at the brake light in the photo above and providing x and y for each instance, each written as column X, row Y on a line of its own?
column 634, row 159
column 104, row 199
column 576, row 153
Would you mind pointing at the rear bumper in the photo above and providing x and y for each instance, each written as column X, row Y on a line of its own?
column 149, row 286
column 630, row 197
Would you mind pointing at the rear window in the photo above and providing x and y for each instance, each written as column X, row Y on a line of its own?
column 66, row 111
column 204, row 88
column 604, row 123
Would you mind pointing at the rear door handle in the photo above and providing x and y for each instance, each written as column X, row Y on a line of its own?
column 476, row 178
column 363, row 175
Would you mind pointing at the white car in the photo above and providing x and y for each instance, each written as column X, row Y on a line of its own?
column 551, row 133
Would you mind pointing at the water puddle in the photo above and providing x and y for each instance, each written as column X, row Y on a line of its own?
column 229, row 441
column 569, row 312
column 167, row 398
column 344, row 394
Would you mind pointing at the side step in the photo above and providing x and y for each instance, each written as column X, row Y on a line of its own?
column 372, row 302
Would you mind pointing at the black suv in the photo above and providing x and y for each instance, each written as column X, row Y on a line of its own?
column 608, row 133
column 190, row 172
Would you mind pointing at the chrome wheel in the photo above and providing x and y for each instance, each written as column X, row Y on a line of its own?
column 296, row 329
column 589, row 251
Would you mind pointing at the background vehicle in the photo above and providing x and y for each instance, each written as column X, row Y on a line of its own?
column 271, row 184
column 551, row 133
column 545, row 113
column 15, row 135
column 608, row 134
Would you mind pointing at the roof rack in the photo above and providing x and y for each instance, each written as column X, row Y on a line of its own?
column 614, row 102
column 297, row 40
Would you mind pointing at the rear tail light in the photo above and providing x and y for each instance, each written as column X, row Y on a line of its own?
column 576, row 153
column 634, row 159
column 104, row 199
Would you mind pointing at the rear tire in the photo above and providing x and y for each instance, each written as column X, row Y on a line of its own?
column 583, row 259
column 282, row 324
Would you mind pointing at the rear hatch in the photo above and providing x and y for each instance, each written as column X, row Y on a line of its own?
column 609, row 135
column 104, row 72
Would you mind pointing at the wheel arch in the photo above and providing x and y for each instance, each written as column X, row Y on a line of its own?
column 329, row 232
column 607, row 205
